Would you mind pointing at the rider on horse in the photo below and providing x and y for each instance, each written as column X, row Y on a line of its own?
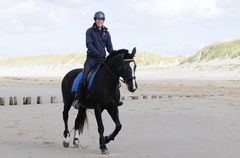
column 97, row 39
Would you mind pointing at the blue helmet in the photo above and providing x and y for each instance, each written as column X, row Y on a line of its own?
column 99, row 15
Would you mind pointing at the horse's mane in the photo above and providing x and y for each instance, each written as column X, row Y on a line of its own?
column 120, row 52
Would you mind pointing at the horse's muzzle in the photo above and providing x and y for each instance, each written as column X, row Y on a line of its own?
column 132, row 87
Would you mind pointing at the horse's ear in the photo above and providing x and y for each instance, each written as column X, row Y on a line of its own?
column 134, row 51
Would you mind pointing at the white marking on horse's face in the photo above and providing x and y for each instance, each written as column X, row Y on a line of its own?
column 132, row 65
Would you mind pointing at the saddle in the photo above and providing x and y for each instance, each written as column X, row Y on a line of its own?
column 90, row 78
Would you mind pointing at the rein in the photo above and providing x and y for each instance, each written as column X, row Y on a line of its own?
column 113, row 74
column 117, row 75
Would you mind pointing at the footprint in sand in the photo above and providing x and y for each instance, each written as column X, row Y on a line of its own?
column 36, row 117
column 21, row 133
column 38, row 137
column 14, row 125
column 48, row 142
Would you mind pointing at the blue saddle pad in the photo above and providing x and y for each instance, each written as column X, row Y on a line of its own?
column 89, row 79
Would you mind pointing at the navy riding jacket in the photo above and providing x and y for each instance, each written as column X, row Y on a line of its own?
column 97, row 41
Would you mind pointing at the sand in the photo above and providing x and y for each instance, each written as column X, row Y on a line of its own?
column 192, row 118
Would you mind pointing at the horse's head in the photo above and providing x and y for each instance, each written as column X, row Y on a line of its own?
column 125, row 67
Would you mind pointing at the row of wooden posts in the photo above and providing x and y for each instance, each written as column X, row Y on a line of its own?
column 14, row 100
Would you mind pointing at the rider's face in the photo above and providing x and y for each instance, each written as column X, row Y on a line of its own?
column 99, row 22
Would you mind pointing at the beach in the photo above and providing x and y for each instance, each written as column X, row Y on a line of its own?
column 186, row 118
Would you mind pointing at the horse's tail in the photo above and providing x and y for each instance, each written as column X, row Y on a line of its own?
column 82, row 118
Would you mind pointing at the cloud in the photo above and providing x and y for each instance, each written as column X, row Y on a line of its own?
column 74, row 2
column 207, row 9
column 15, row 8
column 174, row 11
column 59, row 15
column 31, row 15
column 39, row 15
column 144, row 23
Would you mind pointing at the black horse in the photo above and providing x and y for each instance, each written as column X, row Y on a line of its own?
column 104, row 94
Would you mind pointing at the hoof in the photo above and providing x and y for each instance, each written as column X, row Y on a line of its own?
column 105, row 152
column 77, row 144
column 66, row 141
column 65, row 144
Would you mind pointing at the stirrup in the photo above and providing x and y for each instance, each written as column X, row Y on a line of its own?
column 76, row 104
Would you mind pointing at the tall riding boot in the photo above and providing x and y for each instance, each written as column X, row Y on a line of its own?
column 77, row 102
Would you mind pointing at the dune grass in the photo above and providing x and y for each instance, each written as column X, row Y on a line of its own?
column 229, row 49
column 142, row 58
column 148, row 58
column 46, row 59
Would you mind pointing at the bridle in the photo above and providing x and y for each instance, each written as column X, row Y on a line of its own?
column 124, row 73
column 119, row 70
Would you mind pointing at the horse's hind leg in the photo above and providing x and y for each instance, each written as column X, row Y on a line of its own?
column 79, row 124
column 66, row 133
column 115, row 116
column 76, row 142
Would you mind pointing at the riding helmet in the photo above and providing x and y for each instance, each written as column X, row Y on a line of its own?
column 99, row 15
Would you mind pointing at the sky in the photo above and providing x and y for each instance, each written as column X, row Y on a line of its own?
column 169, row 27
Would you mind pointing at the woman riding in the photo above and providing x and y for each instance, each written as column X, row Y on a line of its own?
column 97, row 39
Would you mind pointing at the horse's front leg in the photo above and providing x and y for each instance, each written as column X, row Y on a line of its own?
column 114, row 113
column 98, row 115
